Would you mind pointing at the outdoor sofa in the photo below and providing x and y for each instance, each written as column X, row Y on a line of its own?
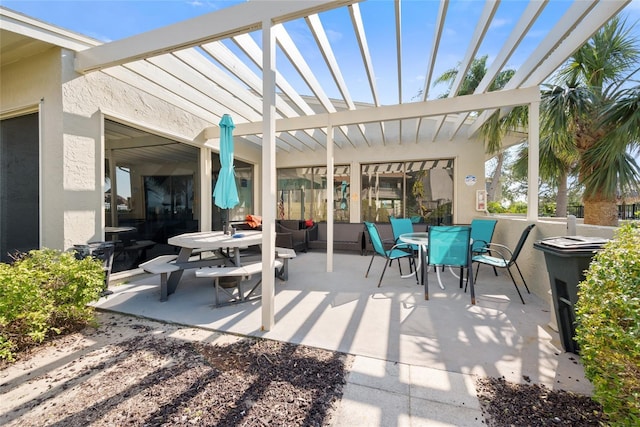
column 346, row 236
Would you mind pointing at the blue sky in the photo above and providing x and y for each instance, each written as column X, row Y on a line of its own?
column 117, row 19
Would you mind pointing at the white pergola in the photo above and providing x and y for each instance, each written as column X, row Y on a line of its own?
column 225, row 62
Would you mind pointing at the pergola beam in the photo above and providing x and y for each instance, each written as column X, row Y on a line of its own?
column 221, row 24
column 558, row 45
column 384, row 113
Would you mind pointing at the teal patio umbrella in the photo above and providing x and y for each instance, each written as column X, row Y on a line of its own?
column 226, row 192
column 343, row 201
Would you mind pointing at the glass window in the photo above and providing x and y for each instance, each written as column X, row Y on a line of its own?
column 123, row 200
column 342, row 193
column 382, row 191
column 293, row 186
column 420, row 190
column 155, row 183
column 302, row 193
column 19, row 185
column 430, row 191
column 168, row 198
column 244, row 183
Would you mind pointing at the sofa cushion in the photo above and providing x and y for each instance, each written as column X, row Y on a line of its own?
column 292, row 224
column 342, row 232
column 347, row 236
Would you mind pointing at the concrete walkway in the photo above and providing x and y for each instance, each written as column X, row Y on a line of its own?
column 415, row 361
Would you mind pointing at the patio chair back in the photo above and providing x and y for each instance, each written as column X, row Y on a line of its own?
column 398, row 251
column 376, row 241
column 482, row 233
column 520, row 245
column 401, row 226
column 449, row 245
column 500, row 256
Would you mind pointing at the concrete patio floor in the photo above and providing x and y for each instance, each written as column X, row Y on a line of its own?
column 415, row 360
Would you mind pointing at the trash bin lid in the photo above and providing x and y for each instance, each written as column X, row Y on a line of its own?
column 571, row 244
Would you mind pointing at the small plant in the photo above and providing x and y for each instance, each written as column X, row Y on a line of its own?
column 45, row 292
column 608, row 326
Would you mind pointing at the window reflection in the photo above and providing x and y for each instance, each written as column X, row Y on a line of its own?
column 150, row 188
column 302, row 193
column 420, row 190
column 244, row 182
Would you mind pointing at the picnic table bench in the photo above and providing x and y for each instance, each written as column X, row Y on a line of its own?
column 169, row 266
column 241, row 274
column 285, row 254
column 162, row 265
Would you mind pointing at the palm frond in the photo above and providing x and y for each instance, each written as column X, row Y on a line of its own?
column 616, row 171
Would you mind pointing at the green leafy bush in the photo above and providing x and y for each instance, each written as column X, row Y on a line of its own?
column 608, row 326
column 45, row 292
column 495, row 207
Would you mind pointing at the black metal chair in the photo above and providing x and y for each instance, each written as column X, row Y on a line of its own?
column 500, row 256
column 103, row 251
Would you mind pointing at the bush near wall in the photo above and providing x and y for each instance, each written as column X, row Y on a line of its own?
column 608, row 326
column 45, row 293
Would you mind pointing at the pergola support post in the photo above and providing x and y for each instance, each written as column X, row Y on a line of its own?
column 330, row 197
column 534, row 160
column 268, row 174
column 205, row 194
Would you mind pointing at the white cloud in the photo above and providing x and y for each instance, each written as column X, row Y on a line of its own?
column 497, row 23
column 450, row 32
column 333, row 35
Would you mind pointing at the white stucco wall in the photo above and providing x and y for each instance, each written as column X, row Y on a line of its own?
column 24, row 85
column 72, row 145
column 531, row 261
column 469, row 160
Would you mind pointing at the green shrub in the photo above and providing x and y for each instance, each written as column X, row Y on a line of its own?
column 608, row 326
column 45, row 292
column 495, row 207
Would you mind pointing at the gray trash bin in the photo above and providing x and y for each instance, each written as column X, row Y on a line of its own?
column 567, row 258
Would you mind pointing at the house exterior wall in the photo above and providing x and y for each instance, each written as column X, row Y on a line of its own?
column 469, row 160
column 531, row 261
column 32, row 84
column 73, row 109
column 72, row 112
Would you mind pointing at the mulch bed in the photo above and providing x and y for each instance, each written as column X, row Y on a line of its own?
column 149, row 381
column 506, row 404
column 136, row 373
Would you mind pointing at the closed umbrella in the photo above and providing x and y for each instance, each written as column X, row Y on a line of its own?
column 226, row 192
column 343, row 201
column 281, row 205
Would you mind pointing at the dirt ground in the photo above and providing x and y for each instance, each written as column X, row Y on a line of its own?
column 137, row 372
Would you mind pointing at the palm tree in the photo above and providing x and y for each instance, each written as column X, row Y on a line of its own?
column 473, row 78
column 495, row 128
column 586, row 106
column 558, row 157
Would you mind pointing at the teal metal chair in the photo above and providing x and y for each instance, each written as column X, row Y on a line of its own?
column 500, row 256
column 450, row 246
column 481, row 234
column 401, row 226
column 398, row 251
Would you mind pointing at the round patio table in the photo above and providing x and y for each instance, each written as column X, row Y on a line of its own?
column 420, row 239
